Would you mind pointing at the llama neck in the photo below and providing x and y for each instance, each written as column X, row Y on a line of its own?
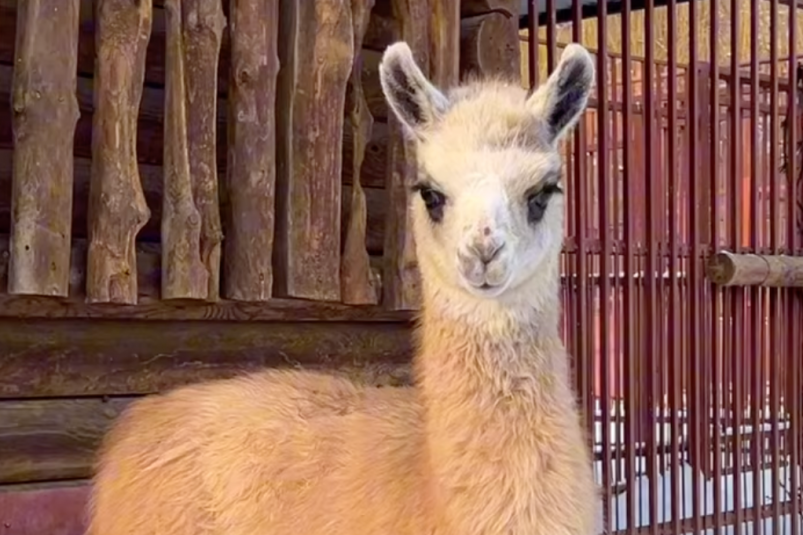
column 489, row 375
column 492, row 348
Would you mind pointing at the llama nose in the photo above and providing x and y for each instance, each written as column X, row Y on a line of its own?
column 486, row 250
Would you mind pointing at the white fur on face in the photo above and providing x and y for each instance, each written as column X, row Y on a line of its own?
column 486, row 211
column 487, row 147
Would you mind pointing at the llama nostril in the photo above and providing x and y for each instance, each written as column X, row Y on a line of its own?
column 487, row 250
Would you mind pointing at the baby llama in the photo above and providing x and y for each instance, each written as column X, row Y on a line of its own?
column 489, row 442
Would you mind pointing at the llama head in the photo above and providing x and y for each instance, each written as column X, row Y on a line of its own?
column 488, row 205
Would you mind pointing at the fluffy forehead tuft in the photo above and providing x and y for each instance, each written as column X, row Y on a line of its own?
column 488, row 132
column 492, row 114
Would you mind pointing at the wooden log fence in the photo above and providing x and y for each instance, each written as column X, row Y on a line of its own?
column 149, row 103
column 251, row 173
column 45, row 112
column 117, row 209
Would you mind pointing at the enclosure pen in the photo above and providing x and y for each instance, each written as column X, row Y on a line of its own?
column 192, row 189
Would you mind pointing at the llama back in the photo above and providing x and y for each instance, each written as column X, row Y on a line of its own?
column 261, row 454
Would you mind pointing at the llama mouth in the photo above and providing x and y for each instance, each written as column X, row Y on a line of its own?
column 485, row 289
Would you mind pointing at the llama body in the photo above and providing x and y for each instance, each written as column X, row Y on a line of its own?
column 489, row 442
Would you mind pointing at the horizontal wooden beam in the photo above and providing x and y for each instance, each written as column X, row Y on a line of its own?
column 779, row 271
column 46, row 440
column 111, row 357
column 53, row 439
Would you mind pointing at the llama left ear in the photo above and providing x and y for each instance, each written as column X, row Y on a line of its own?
column 412, row 97
column 563, row 98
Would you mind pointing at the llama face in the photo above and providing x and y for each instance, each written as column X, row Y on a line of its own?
column 488, row 202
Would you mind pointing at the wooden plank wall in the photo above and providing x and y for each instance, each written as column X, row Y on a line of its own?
column 173, row 208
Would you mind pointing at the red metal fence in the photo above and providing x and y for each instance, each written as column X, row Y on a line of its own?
column 696, row 389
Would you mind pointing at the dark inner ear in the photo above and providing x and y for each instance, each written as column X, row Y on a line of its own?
column 572, row 85
column 404, row 93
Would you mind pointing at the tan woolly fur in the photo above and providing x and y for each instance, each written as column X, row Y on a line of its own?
column 488, row 441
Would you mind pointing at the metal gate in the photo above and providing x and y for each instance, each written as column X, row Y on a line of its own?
column 695, row 388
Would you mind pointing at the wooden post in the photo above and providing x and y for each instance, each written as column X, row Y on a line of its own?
column 117, row 208
column 444, row 45
column 45, row 112
column 203, row 23
column 357, row 284
column 400, row 279
column 183, row 274
column 488, row 47
column 251, row 171
column 779, row 271
column 316, row 51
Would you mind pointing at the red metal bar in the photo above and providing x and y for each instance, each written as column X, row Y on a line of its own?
column 552, row 22
column 695, row 269
column 676, row 377
column 735, row 297
column 630, row 353
column 774, row 244
column 584, row 352
column 792, row 399
column 532, row 42
column 605, row 230
column 716, row 292
column 650, row 292
column 756, row 296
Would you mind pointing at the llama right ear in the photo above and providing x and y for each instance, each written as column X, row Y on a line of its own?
column 414, row 100
column 563, row 97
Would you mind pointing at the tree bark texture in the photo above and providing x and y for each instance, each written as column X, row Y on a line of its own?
column 45, row 112
column 183, row 274
column 444, row 43
column 203, row 24
column 117, row 208
column 251, row 170
column 316, row 52
column 489, row 46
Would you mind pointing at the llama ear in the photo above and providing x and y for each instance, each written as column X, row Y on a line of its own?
column 414, row 100
column 563, row 97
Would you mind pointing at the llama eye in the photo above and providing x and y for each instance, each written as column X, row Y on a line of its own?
column 434, row 201
column 537, row 202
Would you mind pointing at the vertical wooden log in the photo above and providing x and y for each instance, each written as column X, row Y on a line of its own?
column 400, row 280
column 251, row 171
column 357, row 284
column 489, row 39
column 488, row 47
column 183, row 274
column 45, row 114
column 203, row 23
column 444, row 45
column 117, row 209
column 316, row 52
